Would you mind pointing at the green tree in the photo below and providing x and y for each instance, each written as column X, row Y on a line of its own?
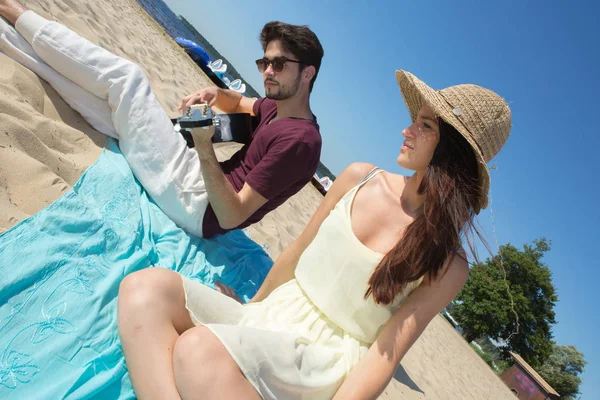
column 562, row 369
column 484, row 306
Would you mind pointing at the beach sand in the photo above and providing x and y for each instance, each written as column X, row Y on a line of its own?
column 45, row 146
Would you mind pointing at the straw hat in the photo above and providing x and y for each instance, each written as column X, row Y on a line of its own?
column 478, row 114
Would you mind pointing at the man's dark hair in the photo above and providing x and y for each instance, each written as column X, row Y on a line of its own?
column 298, row 40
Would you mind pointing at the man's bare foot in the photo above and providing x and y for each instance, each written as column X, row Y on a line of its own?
column 11, row 10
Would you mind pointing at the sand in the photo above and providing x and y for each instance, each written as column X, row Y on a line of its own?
column 45, row 146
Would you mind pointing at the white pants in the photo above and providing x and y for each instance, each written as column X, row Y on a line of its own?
column 115, row 97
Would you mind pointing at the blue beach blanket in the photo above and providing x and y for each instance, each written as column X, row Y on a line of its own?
column 60, row 274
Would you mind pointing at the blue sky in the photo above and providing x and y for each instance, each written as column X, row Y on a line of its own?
column 540, row 56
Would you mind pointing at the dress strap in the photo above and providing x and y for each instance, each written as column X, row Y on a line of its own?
column 371, row 174
column 349, row 196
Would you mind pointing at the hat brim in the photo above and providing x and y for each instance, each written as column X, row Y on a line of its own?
column 416, row 93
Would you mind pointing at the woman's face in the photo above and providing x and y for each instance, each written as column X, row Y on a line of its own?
column 421, row 139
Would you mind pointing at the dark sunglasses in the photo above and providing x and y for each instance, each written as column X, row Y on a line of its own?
column 278, row 63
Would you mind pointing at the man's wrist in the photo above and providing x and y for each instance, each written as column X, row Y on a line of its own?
column 205, row 149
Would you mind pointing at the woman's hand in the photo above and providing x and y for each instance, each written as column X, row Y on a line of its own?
column 227, row 291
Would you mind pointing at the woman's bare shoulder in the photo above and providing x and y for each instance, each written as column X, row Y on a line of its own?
column 350, row 177
column 357, row 170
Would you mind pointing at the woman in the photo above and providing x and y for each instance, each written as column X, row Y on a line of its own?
column 344, row 303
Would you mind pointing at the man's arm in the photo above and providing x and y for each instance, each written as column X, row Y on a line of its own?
column 231, row 207
column 287, row 161
column 225, row 100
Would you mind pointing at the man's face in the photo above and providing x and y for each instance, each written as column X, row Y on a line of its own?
column 286, row 83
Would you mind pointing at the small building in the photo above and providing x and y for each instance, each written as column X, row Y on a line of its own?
column 525, row 383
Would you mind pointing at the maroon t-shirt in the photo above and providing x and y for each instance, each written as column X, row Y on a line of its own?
column 280, row 158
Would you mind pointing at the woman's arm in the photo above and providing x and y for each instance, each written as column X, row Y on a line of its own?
column 375, row 370
column 283, row 269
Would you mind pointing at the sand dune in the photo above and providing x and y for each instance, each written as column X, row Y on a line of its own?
column 45, row 146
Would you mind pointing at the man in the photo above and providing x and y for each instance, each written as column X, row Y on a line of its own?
column 199, row 194
column 284, row 150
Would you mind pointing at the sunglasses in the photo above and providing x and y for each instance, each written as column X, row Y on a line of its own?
column 278, row 63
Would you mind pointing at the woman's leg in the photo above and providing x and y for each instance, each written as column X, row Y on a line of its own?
column 204, row 369
column 151, row 316
column 166, row 167
column 167, row 357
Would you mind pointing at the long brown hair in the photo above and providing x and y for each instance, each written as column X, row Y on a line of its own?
column 451, row 189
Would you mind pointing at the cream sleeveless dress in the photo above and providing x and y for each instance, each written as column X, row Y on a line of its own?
column 305, row 337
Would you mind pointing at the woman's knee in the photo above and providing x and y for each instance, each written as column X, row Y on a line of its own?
column 150, row 287
column 198, row 347
column 202, row 364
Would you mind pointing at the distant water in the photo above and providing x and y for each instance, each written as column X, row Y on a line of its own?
column 170, row 22
column 166, row 18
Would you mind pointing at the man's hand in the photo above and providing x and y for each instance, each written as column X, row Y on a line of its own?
column 225, row 100
column 203, row 135
column 209, row 95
